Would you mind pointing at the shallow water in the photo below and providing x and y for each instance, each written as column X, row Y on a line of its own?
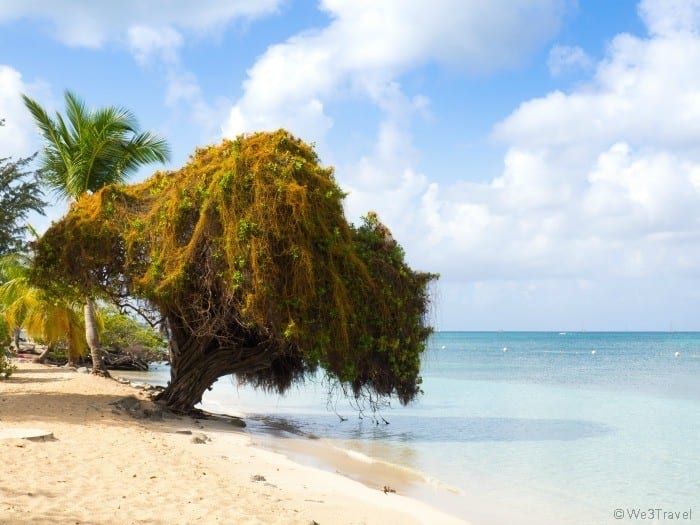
column 545, row 432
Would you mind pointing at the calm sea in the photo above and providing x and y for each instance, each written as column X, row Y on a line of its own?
column 528, row 428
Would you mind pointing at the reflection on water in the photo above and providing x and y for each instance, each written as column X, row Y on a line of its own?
column 431, row 429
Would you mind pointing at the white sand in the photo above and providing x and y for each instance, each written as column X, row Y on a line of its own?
column 103, row 466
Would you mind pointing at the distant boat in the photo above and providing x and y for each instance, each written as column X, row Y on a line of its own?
column 562, row 333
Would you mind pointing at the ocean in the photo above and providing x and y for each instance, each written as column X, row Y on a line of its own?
column 526, row 427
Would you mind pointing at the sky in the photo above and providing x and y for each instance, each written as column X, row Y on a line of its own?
column 541, row 155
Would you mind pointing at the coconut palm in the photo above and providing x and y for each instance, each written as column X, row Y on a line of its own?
column 85, row 151
column 43, row 315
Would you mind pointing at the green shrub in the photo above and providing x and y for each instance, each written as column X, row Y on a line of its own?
column 6, row 366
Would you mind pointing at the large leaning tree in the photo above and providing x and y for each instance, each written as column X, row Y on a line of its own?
column 247, row 255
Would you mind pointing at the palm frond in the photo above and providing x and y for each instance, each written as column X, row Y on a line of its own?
column 88, row 150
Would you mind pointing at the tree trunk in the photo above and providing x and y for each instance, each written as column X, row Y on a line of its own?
column 196, row 364
column 16, row 331
column 93, row 340
column 191, row 373
column 44, row 354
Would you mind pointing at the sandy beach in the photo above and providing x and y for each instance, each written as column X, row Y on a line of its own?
column 102, row 465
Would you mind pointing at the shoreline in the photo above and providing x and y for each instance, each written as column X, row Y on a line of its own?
column 105, row 466
column 278, row 434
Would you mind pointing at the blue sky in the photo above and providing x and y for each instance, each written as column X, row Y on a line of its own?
column 541, row 155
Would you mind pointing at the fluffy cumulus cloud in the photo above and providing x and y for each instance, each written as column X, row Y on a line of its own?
column 599, row 195
column 153, row 31
column 602, row 182
column 90, row 24
column 17, row 136
column 368, row 44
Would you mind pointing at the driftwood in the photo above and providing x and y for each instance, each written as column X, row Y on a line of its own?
column 123, row 361
column 43, row 356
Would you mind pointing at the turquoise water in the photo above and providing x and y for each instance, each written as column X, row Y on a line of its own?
column 546, row 432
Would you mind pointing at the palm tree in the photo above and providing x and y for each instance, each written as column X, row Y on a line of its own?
column 86, row 151
column 43, row 315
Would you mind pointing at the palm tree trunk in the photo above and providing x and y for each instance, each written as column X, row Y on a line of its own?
column 71, row 354
column 16, row 331
column 93, row 340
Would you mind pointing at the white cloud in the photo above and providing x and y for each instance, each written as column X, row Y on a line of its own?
column 88, row 23
column 145, row 42
column 369, row 44
column 599, row 183
column 153, row 31
column 644, row 92
column 17, row 136
column 566, row 58
column 670, row 17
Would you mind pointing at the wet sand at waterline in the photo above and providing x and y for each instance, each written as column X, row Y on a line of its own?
column 100, row 465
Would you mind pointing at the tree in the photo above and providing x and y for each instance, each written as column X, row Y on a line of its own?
column 46, row 316
column 6, row 366
column 19, row 194
column 247, row 254
column 130, row 344
column 86, row 151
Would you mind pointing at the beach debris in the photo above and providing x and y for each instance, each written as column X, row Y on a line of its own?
column 388, row 490
column 31, row 434
column 257, row 477
column 200, row 439
column 313, row 522
column 83, row 370
column 184, row 431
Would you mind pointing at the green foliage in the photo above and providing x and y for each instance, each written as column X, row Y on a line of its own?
column 42, row 312
column 89, row 149
column 121, row 332
column 246, row 250
column 4, row 333
column 6, row 366
column 19, row 194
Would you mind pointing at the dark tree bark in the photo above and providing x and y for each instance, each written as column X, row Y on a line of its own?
column 196, row 363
